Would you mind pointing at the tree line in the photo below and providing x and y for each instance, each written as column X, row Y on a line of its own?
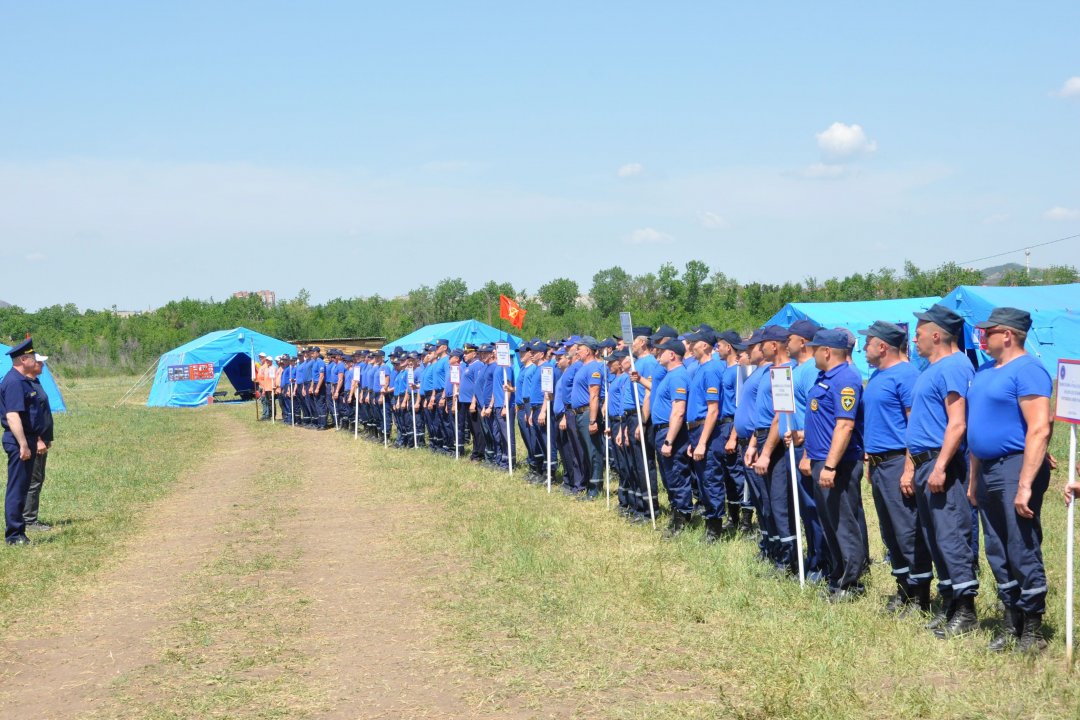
column 102, row 342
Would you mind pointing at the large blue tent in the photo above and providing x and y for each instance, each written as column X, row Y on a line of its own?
column 1055, row 317
column 855, row 316
column 56, row 400
column 188, row 375
column 457, row 333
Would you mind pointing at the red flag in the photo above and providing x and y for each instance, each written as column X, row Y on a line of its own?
column 511, row 312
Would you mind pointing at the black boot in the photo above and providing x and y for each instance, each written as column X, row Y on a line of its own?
column 1012, row 624
column 714, row 529
column 679, row 522
column 1031, row 639
column 918, row 601
column 963, row 620
column 746, row 517
column 731, row 521
column 943, row 615
column 900, row 600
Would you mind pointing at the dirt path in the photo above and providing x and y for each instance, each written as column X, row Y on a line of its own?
column 297, row 594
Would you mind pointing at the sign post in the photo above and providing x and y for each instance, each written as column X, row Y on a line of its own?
column 455, row 380
column 382, row 400
column 783, row 398
column 502, row 359
column 607, row 440
column 547, row 386
column 1068, row 410
column 411, row 377
column 628, row 332
column 356, row 402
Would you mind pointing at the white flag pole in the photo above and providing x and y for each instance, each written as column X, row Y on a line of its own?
column 607, row 459
column 547, row 425
column 356, row 413
column 415, row 439
column 273, row 405
column 795, row 497
column 506, row 409
column 1069, row 555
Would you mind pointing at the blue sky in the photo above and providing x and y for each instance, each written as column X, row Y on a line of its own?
column 152, row 151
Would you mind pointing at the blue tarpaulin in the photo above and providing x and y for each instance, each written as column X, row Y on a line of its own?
column 457, row 333
column 205, row 359
column 856, row 316
column 56, row 400
column 1055, row 317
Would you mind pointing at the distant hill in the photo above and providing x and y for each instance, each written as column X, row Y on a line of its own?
column 4, row 304
column 994, row 274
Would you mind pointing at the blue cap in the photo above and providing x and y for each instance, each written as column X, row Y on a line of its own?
column 755, row 337
column 560, row 351
column 732, row 338
column 944, row 318
column 26, row 347
column 674, row 345
column 540, row 346
column 618, row 355
column 1009, row 317
column 442, row 341
column 831, row 339
column 590, row 342
column 642, row 330
column 572, row 340
column 608, row 343
column 889, row 333
column 704, row 334
column 456, row 353
column 774, row 332
column 804, row 328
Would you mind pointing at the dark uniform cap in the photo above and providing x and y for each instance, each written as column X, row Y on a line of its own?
column 1014, row 318
column 590, row 342
column 26, row 347
column 665, row 331
column 572, row 340
column 540, row 346
column 774, row 332
column 619, row 355
column 484, row 348
column 524, row 347
column 703, row 326
column 428, row 347
column 889, row 333
column 640, row 330
column 560, row 351
column 414, row 355
column 315, row 348
column 944, row 318
column 469, row 347
column 703, row 334
column 442, row 341
column 831, row 339
column 804, row 328
column 457, row 353
column 732, row 338
column 851, row 340
column 674, row 345
column 607, row 343
column 755, row 337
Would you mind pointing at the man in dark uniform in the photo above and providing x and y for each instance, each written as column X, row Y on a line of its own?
column 1009, row 426
column 44, row 422
column 17, row 401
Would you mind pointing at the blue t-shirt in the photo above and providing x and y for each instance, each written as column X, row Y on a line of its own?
column 365, row 377
column 674, row 387
column 995, row 423
column 926, row 425
column 590, row 375
column 535, row 390
column 470, row 375
column 564, row 385
column 763, row 407
column 401, row 382
column 836, row 395
column 303, row 372
column 438, row 374
column 803, row 378
column 333, row 371
column 744, row 413
column 705, row 386
column 615, row 394
column 497, row 384
column 427, row 379
column 318, row 367
column 16, row 396
column 731, row 375
column 886, row 400
column 525, row 381
column 484, row 385
column 691, row 364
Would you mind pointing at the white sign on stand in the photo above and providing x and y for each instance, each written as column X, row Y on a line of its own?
column 547, row 379
column 1068, row 391
column 783, row 390
column 627, row 329
column 382, row 379
column 455, row 374
column 356, row 374
column 1068, row 410
column 502, row 354
column 411, row 377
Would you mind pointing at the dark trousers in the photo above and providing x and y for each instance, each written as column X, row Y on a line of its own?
column 644, row 470
column 265, row 405
column 1013, row 544
column 571, row 451
column 731, row 471
column 782, row 506
column 898, row 519
column 476, row 429
column 759, row 499
column 840, row 508
column 945, row 519
column 33, row 490
column 675, row 470
column 709, row 473
column 18, row 482
column 593, row 445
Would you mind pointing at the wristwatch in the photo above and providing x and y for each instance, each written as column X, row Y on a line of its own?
column 667, row 443
column 830, row 469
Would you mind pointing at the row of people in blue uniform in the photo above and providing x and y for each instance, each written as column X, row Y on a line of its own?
column 695, row 412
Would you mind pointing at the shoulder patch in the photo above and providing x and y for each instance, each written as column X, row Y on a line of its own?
column 680, row 391
column 596, row 375
column 847, row 402
column 711, row 390
column 848, row 391
column 813, row 404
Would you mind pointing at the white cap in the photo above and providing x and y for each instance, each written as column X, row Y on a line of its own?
column 40, row 358
column 262, row 354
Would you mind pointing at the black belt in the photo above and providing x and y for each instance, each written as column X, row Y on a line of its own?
column 579, row 410
column 924, row 457
column 630, row 413
column 727, row 418
column 695, row 425
column 876, row 459
column 660, row 426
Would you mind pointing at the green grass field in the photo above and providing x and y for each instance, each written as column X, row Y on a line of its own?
column 548, row 603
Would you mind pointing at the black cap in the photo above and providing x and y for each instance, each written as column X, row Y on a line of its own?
column 889, row 333
column 26, row 347
column 640, row 330
column 664, row 331
column 456, row 353
column 732, row 338
column 704, row 334
column 944, row 318
column 607, row 343
column 804, row 328
column 1014, row 318
column 674, row 345
column 774, row 332
column 590, row 342
column 837, row 339
column 469, row 347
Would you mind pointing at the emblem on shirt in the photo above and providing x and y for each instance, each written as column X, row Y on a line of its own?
column 847, row 401
column 596, row 375
column 813, row 404
column 680, row 391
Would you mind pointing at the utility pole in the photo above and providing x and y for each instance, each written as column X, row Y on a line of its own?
column 1027, row 261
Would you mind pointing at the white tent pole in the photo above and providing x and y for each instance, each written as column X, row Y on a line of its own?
column 138, row 382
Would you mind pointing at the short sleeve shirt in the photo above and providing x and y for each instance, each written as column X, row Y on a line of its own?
column 995, row 423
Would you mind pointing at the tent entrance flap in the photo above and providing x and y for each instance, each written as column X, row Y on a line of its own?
column 238, row 371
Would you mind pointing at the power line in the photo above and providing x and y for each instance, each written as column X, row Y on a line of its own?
column 1020, row 249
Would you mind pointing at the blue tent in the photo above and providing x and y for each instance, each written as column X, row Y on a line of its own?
column 56, row 400
column 855, row 316
column 1055, row 317
column 188, row 375
column 458, row 333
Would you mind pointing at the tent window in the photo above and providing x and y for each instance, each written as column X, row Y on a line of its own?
column 1043, row 335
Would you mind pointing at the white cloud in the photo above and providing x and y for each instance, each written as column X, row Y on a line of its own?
column 631, row 169
column 712, row 221
column 824, row 170
column 1071, row 88
column 37, row 257
column 1061, row 213
column 648, row 236
column 840, row 141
